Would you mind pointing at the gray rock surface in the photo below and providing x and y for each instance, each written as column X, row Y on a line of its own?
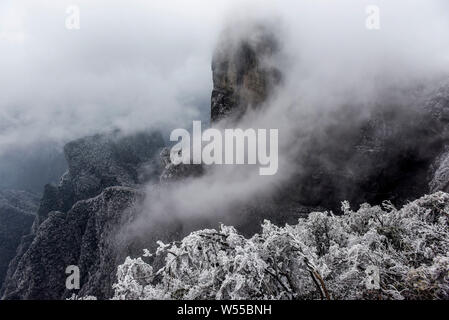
column 242, row 75
column 85, row 237
column 17, row 213
column 77, row 220
column 440, row 174
column 98, row 162
column 172, row 172
column 438, row 106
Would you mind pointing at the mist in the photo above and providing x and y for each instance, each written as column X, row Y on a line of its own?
column 139, row 65
column 132, row 65
column 329, row 60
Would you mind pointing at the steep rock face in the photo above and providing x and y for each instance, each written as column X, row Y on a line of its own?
column 172, row 172
column 85, row 237
column 242, row 75
column 385, row 157
column 440, row 174
column 98, row 162
column 20, row 200
column 438, row 106
column 78, row 219
column 17, row 212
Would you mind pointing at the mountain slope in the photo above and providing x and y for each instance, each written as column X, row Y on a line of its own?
column 76, row 220
column 17, row 213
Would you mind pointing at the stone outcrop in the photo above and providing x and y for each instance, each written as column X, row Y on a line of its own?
column 85, row 237
column 243, row 75
column 77, row 220
column 440, row 174
column 438, row 106
column 98, row 162
column 172, row 172
column 17, row 212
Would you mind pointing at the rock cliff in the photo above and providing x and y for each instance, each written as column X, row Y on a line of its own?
column 77, row 220
column 17, row 213
column 242, row 76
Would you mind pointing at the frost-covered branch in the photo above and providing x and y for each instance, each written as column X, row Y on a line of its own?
column 324, row 256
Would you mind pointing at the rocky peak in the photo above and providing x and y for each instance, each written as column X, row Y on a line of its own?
column 102, row 161
column 98, row 162
column 78, row 219
column 243, row 75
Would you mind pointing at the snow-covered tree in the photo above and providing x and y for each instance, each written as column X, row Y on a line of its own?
column 376, row 252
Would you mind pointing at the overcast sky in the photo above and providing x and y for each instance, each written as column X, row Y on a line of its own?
column 132, row 64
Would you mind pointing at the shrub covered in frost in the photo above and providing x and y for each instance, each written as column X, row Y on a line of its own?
column 376, row 252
